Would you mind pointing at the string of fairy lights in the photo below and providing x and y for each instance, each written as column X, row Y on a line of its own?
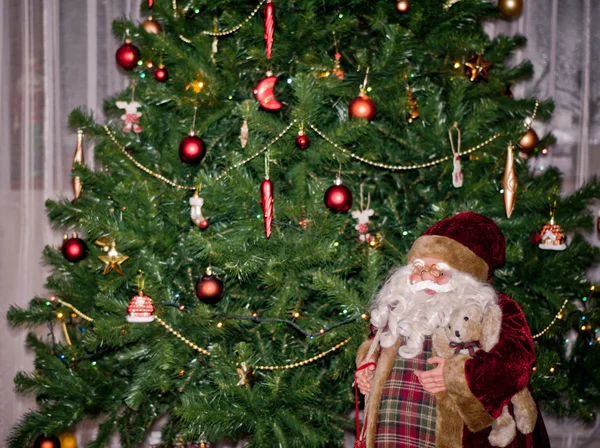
column 254, row 317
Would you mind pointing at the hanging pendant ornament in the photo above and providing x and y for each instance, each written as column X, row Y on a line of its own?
column 509, row 182
column 528, row 142
column 457, row 175
column 269, row 22
column 413, row 112
column 477, row 68
column 338, row 197
column 141, row 308
column 209, row 288
column 73, row 249
column 151, row 26
column 215, row 42
column 302, row 140
column 112, row 259
column 510, row 8
column 78, row 158
column 402, row 6
column 196, row 203
column 161, row 74
column 362, row 106
column 191, row 148
column 43, row 441
column 552, row 236
column 244, row 134
column 266, row 202
column 265, row 93
column 363, row 216
column 337, row 65
column 128, row 55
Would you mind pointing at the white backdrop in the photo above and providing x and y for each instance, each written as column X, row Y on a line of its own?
column 58, row 55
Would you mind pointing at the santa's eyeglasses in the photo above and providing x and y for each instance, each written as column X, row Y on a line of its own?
column 436, row 270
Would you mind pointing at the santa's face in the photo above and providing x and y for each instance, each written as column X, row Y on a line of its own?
column 430, row 275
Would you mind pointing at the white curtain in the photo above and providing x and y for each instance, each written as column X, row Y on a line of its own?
column 59, row 54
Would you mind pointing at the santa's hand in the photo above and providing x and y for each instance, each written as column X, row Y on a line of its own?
column 433, row 380
column 364, row 377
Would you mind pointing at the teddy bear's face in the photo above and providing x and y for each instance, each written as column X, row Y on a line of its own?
column 465, row 324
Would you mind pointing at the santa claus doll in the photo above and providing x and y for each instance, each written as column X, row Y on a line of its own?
column 457, row 401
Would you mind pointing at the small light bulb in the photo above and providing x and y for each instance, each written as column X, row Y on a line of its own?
column 560, row 316
column 364, row 316
column 220, row 324
column 534, row 369
column 59, row 315
column 149, row 64
column 457, row 64
column 296, row 314
column 551, row 369
column 583, row 327
column 181, row 308
column 255, row 314
column 140, row 62
column 94, row 363
column 321, row 331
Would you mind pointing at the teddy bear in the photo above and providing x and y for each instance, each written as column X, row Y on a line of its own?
column 473, row 327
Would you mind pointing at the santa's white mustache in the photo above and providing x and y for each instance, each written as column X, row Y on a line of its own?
column 430, row 284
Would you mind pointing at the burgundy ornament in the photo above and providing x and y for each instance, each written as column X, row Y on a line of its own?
column 43, row 441
column 266, row 201
column 74, row 249
column 302, row 141
column 161, row 74
column 338, row 197
column 209, row 288
column 128, row 55
column 362, row 107
column 192, row 149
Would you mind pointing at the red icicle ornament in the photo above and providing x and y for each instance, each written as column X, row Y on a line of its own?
column 150, row 3
column 266, row 192
column 269, row 27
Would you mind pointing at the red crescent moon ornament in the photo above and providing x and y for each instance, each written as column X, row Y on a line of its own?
column 269, row 27
column 264, row 94
column 266, row 192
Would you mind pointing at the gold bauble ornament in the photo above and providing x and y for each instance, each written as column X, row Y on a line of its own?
column 67, row 440
column 151, row 26
column 402, row 6
column 510, row 8
column 529, row 141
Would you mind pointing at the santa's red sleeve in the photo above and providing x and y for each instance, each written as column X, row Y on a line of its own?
column 481, row 386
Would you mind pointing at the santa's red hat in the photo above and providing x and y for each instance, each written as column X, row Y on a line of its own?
column 468, row 242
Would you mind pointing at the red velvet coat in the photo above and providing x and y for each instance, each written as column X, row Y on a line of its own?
column 486, row 382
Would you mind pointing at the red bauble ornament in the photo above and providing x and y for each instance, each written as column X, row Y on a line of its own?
column 203, row 224
column 529, row 141
column 128, row 55
column 362, row 107
column 161, row 74
column 43, row 441
column 151, row 26
column 302, row 141
column 209, row 288
column 192, row 149
column 265, row 93
column 74, row 249
column 338, row 197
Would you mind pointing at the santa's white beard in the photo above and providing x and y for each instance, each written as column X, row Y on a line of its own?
column 402, row 309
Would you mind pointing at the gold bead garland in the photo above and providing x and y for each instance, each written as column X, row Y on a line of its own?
column 400, row 167
column 75, row 310
column 558, row 316
column 143, row 168
column 229, row 31
column 306, row 361
column 182, row 338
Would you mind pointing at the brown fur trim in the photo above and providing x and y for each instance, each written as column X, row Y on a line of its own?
column 490, row 326
column 450, row 251
column 470, row 408
column 525, row 410
column 449, row 425
column 503, row 429
column 385, row 364
column 362, row 352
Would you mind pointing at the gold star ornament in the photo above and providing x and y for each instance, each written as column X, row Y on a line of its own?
column 112, row 259
column 245, row 374
column 477, row 68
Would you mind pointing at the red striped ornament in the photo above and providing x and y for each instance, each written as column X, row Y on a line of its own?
column 269, row 27
column 266, row 191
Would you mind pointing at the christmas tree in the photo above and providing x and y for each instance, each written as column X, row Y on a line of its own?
column 269, row 164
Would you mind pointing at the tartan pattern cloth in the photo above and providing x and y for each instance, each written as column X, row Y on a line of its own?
column 407, row 414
